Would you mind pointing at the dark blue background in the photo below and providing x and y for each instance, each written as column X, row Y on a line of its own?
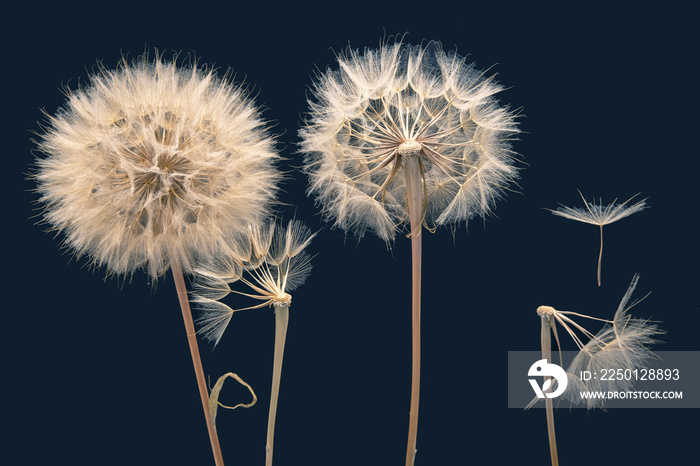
column 98, row 372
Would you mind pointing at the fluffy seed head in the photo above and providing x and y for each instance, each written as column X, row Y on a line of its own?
column 154, row 162
column 400, row 101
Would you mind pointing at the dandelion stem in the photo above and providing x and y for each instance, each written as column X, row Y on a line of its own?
column 281, row 323
column 600, row 254
column 414, row 192
column 196, row 360
column 546, row 343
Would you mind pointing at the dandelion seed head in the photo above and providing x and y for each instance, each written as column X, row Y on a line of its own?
column 269, row 263
column 624, row 343
column 153, row 162
column 383, row 105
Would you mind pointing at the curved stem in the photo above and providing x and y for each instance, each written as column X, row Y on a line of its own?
column 600, row 254
column 281, row 323
column 414, row 193
column 196, row 360
column 546, row 343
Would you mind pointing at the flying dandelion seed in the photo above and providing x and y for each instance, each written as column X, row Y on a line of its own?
column 597, row 214
column 270, row 262
column 623, row 343
column 148, row 166
column 407, row 135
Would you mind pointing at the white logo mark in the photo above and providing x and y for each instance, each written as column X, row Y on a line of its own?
column 542, row 368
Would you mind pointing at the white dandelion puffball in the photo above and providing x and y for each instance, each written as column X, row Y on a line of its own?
column 270, row 262
column 401, row 101
column 154, row 163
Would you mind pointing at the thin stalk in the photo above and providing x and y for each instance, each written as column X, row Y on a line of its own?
column 196, row 360
column 600, row 254
column 546, row 342
column 414, row 193
column 281, row 323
